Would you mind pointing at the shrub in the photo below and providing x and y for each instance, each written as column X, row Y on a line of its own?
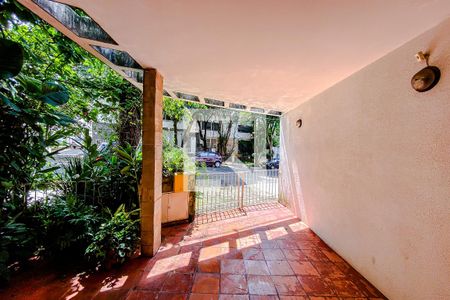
column 126, row 170
column 116, row 240
column 67, row 226
column 16, row 243
column 175, row 160
column 105, row 179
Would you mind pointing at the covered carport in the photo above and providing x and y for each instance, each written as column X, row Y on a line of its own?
column 367, row 169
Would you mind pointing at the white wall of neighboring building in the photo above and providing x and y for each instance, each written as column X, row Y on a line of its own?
column 369, row 170
column 211, row 135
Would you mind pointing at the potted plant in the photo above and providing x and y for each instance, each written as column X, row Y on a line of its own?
column 174, row 160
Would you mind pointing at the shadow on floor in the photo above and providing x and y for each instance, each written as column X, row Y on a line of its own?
column 267, row 252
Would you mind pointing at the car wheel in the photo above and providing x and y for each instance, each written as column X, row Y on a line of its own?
column 217, row 164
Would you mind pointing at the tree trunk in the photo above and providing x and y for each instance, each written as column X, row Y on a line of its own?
column 269, row 140
column 224, row 136
column 175, row 129
column 202, row 134
column 270, row 146
column 129, row 129
column 205, row 142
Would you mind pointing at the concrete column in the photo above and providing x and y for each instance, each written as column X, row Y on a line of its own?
column 151, row 163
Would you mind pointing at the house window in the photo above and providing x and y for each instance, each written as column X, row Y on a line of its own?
column 210, row 126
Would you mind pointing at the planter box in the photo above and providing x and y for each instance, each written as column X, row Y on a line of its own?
column 175, row 207
column 183, row 182
column 167, row 184
column 180, row 182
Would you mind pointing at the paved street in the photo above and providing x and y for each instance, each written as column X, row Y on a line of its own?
column 228, row 168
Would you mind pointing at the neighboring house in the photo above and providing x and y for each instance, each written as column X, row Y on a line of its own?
column 99, row 132
column 238, row 133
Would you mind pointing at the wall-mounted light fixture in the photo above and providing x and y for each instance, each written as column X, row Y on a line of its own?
column 299, row 123
column 428, row 77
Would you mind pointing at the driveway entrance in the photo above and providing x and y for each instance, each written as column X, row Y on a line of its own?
column 218, row 192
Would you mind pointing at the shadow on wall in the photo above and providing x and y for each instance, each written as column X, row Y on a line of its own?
column 373, row 160
column 290, row 184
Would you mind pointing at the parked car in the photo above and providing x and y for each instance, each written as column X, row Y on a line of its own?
column 211, row 159
column 273, row 164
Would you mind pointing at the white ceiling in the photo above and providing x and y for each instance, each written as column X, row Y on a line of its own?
column 266, row 53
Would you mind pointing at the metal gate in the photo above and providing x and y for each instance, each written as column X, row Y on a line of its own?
column 219, row 192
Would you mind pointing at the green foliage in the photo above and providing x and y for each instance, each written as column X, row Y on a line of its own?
column 226, row 130
column 117, row 238
column 11, row 58
column 245, row 150
column 86, row 168
column 16, row 242
column 11, row 9
column 106, row 179
column 129, row 162
column 28, row 129
column 49, row 92
column 59, row 82
column 174, row 109
column 272, row 134
column 126, row 169
column 60, row 87
column 67, row 226
column 175, row 160
column 92, row 87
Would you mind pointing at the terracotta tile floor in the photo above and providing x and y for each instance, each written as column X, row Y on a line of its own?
column 265, row 254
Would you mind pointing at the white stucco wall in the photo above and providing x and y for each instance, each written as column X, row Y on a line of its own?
column 369, row 171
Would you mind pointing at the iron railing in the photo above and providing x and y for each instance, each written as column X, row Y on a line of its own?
column 218, row 192
column 215, row 192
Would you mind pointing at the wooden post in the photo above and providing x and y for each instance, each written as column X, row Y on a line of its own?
column 151, row 163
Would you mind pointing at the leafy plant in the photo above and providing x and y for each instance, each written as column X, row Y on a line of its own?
column 273, row 134
column 59, row 88
column 128, row 169
column 129, row 162
column 174, row 159
column 116, row 240
column 86, row 168
column 11, row 58
column 16, row 242
column 175, row 110
column 67, row 225
column 29, row 128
